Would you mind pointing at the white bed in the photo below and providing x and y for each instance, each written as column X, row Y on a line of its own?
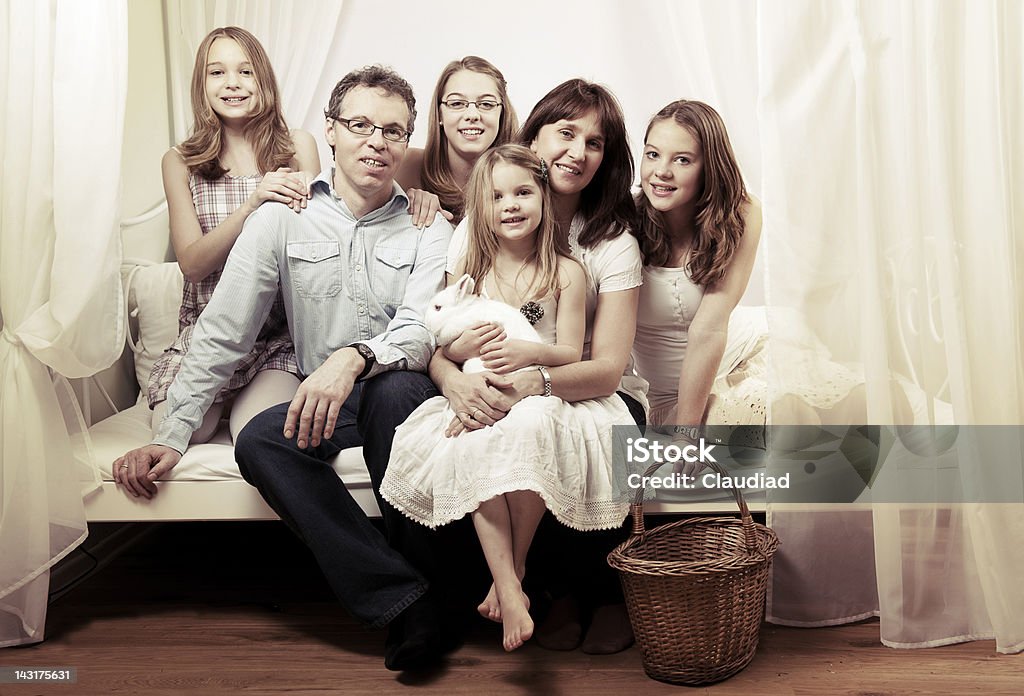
column 206, row 484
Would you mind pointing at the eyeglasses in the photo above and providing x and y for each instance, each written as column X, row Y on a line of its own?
column 365, row 128
column 462, row 104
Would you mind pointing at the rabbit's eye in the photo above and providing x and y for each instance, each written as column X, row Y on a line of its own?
column 437, row 308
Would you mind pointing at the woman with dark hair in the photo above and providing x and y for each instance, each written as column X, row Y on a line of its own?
column 470, row 113
column 698, row 230
column 578, row 130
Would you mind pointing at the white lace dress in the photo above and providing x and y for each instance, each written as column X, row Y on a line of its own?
column 561, row 451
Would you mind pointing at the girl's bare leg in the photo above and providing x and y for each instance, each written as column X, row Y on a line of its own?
column 526, row 509
column 206, row 429
column 268, row 388
column 494, row 528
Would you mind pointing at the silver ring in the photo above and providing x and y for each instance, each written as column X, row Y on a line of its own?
column 475, row 411
column 124, row 466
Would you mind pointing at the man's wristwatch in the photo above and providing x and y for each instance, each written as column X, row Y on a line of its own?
column 367, row 355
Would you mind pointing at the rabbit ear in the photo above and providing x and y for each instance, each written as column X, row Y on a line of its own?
column 464, row 287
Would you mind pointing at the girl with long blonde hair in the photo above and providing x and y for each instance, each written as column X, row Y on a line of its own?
column 239, row 156
column 504, row 479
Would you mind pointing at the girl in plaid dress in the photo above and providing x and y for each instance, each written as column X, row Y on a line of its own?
column 240, row 155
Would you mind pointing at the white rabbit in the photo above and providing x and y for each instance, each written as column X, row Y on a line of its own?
column 456, row 308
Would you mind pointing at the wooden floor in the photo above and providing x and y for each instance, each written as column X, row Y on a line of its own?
column 221, row 608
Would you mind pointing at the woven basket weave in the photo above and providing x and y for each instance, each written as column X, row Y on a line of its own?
column 695, row 590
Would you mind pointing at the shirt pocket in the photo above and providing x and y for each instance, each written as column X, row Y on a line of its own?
column 394, row 264
column 315, row 268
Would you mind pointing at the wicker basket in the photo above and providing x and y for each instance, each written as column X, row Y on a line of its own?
column 695, row 590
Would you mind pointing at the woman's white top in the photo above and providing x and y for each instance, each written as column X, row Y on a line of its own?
column 668, row 303
column 611, row 265
column 669, row 300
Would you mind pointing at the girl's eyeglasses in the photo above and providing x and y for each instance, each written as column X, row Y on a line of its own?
column 463, row 104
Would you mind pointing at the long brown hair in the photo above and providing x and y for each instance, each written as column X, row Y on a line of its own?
column 483, row 240
column 718, row 223
column 605, row 203
column 436, row 174
column 266, row 130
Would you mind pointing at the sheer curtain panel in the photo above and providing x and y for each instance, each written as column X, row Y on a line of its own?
column 62, row 99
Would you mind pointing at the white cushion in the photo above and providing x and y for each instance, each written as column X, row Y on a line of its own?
column 154, row 297
column 213, row 461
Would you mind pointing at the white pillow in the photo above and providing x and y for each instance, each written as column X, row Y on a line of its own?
column 154, row 297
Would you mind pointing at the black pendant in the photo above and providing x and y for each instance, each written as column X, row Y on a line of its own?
column 532, row 311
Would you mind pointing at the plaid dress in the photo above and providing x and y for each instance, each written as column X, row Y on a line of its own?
column 214, row 201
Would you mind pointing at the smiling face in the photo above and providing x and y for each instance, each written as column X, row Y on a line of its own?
column 231, row 88
column 471, row 131
column 573, row 149
column 672, row 168
column 365, row 165
column 517, row 203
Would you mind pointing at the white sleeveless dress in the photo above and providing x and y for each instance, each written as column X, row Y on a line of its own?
column 435, row 480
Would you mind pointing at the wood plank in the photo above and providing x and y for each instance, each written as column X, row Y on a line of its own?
column 223, row 608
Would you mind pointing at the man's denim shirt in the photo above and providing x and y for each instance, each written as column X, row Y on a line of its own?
column 344, row 280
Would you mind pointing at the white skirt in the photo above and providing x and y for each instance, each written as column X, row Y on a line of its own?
column 561, row 451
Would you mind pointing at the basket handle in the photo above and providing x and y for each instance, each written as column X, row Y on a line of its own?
column 636, row 508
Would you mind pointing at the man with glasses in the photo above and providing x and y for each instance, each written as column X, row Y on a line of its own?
column 355, row 275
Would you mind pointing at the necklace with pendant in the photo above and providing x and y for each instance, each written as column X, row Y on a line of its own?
column 529, row 309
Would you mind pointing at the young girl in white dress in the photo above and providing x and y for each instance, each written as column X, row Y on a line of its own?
column 505, row 475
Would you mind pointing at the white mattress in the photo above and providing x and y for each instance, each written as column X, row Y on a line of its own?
column 206, row 483
column 213, row 461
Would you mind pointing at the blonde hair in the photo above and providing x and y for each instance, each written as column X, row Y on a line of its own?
column 483, row 239
column 265, row 131
column 436, row 173
column 718, row 219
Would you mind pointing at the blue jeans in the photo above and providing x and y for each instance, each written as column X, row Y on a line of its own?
column 371, row 577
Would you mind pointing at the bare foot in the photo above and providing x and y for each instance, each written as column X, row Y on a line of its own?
column 490, row 608
column 516, row 621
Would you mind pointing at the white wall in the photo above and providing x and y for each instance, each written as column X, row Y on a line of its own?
column 147, row 130
column 146, row 138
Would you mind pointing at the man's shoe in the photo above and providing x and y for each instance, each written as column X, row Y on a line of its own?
column 414, row 638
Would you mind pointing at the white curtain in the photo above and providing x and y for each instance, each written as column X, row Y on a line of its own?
column 62, row 91
column 892, row 175
column 297, row 35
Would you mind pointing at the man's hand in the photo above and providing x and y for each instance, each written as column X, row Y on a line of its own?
column 319, row 399
column 138, row 469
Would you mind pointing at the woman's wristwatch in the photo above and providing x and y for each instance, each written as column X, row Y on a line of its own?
column 547, row 379
column 688, row 431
